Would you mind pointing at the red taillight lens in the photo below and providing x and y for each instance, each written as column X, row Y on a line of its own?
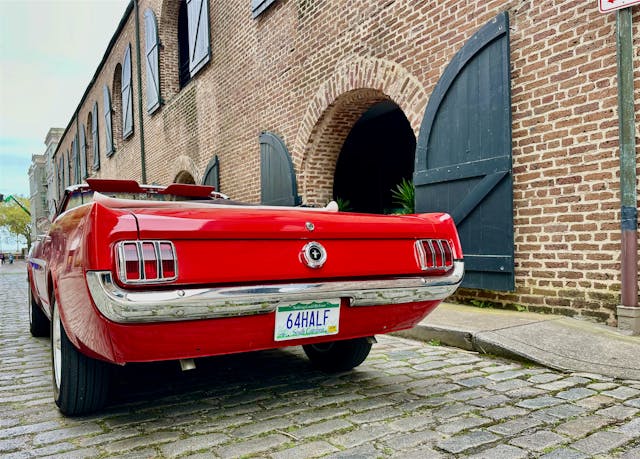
column 150, row 261
column 168, row 260
column 146, row 262
column 131, row 261
column 434, row 254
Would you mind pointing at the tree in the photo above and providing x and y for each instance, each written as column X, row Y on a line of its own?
column 15, row 220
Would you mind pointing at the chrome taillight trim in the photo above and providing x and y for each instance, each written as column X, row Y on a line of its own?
column 436, row 247
column 122, row 269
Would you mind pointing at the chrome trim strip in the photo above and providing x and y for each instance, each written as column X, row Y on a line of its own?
column 126, row 306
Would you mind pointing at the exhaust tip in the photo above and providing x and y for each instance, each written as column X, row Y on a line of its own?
column 187, row 364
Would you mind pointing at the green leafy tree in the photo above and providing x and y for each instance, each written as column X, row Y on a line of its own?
column 15, row 220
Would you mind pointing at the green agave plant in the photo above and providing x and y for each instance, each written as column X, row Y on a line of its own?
column 344, row 205
column 404, row 195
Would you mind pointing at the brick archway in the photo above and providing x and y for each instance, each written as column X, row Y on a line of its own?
column 184, row 170
column 357, row 84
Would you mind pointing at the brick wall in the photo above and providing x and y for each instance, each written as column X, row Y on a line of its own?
column 308, row 69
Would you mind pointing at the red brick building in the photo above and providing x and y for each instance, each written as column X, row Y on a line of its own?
column 310, row 100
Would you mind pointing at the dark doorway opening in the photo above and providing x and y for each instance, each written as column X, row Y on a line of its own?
column 378, row 153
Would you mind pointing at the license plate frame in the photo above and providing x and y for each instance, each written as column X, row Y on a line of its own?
column 299, row 320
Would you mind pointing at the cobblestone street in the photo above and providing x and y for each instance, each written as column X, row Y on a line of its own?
column 409, row 399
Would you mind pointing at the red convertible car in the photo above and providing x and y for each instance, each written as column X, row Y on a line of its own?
column 135, row 273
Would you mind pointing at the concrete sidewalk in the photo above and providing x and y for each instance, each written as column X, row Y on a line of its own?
column 554, row 341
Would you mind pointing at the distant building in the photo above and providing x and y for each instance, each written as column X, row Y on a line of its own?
column 51, row 141
column 37, row 191
column 42, row 186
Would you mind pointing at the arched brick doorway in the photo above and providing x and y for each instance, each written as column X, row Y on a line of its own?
column 184, row 177
column 378, row 154
column 359, row 149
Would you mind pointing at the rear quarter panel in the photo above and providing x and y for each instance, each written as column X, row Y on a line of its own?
column 82, row 240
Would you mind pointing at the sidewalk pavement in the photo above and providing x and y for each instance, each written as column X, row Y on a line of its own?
column 556, row 342
column 18, row 266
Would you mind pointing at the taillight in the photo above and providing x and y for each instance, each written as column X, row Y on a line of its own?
column 150, row 261
column 131, row 261
column 146, row 262
column 434, row 254
column 167, row 260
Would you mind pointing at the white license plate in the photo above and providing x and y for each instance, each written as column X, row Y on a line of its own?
column 304, row 320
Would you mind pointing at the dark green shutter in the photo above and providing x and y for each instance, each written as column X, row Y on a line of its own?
column 463, row 155
column 108, row 130
column 152, row 61
column 258, row 6
column 277, row 177
column 212, row 174
column 83, row 153
column 127, row 95
column 94, row 136
column 199, row 48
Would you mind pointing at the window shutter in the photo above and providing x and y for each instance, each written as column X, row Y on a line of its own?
column 74, row 156
column 127, row 95
column 152, row 61
column 199, row 49
column 83, row 153
column 108, row 130
column 69, row 168
column 212, row 173
column 258, row 6
column 94, row 135
column 61, row 175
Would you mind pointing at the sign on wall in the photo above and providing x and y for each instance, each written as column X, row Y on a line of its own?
column 611, row 5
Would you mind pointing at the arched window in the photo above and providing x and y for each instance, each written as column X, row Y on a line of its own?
column 76, row 160
column 94, row 137
column 127, row 95
column 89, row 140
column 152, row 62
column 193, row 38
column 108, row 126
column 84, row 171
column 183, row 45
column 116, row 106
column 69, row 169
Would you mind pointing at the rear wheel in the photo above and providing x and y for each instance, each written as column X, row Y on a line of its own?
column 38, row 322
column 338, row 355
column 80, row 383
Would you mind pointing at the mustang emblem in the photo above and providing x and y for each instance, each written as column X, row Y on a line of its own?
column 314, row 255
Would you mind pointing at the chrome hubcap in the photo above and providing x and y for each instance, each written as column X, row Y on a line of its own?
column 56, row 347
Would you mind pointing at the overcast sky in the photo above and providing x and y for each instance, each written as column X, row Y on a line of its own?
column 49, row 51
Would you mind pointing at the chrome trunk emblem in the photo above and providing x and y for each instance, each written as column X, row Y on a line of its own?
column 314, row 255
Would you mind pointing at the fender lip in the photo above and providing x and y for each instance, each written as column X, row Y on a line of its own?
column 126, row 306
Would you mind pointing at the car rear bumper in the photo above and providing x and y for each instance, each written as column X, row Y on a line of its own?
column 128, row 307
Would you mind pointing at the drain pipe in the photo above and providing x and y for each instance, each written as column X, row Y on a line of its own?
column 143, row 163
column 628, row 311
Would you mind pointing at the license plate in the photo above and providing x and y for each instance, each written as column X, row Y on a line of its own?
column 304, row 320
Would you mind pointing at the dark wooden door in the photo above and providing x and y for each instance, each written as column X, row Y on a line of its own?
column 463, row 155
column 277, row 178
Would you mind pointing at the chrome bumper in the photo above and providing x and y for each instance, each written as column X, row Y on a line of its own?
column 126, row 306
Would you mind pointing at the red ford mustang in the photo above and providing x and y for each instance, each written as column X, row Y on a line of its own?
column 131, row 273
